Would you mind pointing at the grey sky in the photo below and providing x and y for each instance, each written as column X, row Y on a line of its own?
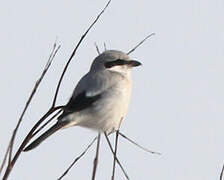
column 177, row 101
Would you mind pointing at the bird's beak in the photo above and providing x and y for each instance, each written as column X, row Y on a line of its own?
column 134, row 63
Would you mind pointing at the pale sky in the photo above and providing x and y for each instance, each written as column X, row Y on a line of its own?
column 177, row 105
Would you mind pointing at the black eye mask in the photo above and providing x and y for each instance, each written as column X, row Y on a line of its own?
column 120, row 62
column 117, row 62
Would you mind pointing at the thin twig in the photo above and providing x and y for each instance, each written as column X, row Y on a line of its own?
column 105, row 47
column 11, row 142
column 97, row 48
column 143, row 148
column 111, row 149
column 95, row 162
column 4, row 159
column 221, row 174
column 74, row 51
column 76, row 159
column 115, row 154
column 132, row 50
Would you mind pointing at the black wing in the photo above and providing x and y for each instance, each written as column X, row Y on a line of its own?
column 80, row 102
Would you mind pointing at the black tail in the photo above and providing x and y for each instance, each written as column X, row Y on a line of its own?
column 45, row 135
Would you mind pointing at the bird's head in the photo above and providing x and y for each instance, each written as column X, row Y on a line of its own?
column 114, row 60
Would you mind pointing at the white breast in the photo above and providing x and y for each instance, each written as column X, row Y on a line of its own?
column 106, row 114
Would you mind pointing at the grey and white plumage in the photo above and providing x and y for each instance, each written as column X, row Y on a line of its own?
column 100, row 99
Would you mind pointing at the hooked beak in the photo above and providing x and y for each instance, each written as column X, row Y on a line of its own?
column 134, row 63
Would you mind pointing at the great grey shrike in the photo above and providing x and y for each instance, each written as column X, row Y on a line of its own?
column 100, row 99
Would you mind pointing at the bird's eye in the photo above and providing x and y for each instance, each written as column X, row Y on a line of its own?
column 117, row 62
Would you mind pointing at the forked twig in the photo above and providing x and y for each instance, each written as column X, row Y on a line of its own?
column 76, row 159
column 221, row 174
column 111, row 149
column 95, row 162
column 133, row 49
column 143, row 148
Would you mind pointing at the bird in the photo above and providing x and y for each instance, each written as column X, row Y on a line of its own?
column 100, row 99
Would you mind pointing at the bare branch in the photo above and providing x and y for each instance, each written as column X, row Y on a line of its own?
column 108, row 141
column 95, row 162
column 221, row 174
column 145, row 149
column 10, row 146
column 74, row 51
column 76, row 159
column 97, row 48
column 132, row 50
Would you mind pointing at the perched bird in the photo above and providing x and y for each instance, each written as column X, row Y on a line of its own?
column 100, row 99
